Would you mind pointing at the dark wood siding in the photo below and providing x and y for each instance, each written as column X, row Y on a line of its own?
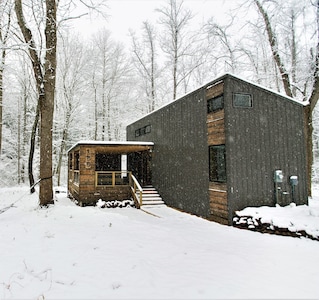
column 180, row 158
column 259, row 140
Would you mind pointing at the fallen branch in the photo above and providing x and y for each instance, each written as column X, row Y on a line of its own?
column 2, row 210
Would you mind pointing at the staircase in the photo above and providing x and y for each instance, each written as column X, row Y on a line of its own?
column 150, row 197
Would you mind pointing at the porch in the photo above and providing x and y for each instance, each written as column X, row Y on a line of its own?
column 109, row 171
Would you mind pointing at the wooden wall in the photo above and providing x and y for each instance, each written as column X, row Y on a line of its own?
column 86, row 192
column 216, row 136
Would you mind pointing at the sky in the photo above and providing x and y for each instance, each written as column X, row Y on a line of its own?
column 130, row 14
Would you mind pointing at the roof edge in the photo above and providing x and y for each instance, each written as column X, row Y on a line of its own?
column 106, row 143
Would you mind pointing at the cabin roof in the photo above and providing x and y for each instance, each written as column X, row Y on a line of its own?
column 218, row 80
column 111, row 143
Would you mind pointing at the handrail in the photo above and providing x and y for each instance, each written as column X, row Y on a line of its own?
column 114, row 178
column 136, row 186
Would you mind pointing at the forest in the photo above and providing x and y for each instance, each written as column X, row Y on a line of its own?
column 58, row 87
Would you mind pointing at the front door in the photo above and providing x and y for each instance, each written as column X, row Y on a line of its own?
column 140, row 165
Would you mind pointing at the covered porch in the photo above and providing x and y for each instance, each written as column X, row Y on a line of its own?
column 109, row 171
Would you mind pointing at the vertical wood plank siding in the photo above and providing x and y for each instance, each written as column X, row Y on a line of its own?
column 259, row 140
column 180, row 157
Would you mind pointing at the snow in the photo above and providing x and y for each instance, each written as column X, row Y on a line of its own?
column 72, row 252
column 109, row 143
column 294, row 218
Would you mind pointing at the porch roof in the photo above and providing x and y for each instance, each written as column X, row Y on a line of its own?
column 116, row 146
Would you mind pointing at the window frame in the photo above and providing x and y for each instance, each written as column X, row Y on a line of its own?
column 242, row 106
column 210, row 105
column 219, row 174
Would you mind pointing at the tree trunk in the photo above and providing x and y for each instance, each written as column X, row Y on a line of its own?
column 62, row 148
column 274, row 48
column 313, row 100
column 45, row 81
column 1, row 97
column 2, row 62
column 32, row 148
column 309, row 144
column 47, row 106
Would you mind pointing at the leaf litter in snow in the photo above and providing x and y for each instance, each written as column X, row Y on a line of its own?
column 293, row 220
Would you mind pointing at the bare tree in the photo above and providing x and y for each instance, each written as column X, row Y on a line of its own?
column 313, row 100
column 70, row 81
column 175, row 43
column 145, row 54
column 44, row 68
column 112, row 68
column 290, row 78
column 5, row 22
column 273, row 42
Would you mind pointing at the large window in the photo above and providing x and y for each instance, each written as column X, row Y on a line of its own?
column 215, row 104
column 107, row 162
column 217, row 163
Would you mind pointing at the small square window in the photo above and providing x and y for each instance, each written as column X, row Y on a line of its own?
column 148, row 129
column 215, row 104
column 242, row 100
column 137, row 132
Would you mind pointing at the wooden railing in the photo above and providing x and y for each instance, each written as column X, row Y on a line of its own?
column 136, row 188
column 116, row 178
column 112, row 178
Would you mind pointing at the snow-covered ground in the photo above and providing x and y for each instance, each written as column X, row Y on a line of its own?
column 70, row 252
column 294, row 218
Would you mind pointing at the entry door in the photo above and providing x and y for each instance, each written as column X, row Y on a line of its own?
column 140, row 165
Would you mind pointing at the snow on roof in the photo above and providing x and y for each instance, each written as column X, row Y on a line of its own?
column 219, row 79
column 108, row 143
column 304, row 103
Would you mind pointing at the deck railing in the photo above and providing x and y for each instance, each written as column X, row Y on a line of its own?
column 136, row 189
column 112, row 178
column 118, row 178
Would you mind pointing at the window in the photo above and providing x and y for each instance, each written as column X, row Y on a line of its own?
column 215, row 104
column 242, row 100
column 147, row 129
column 143, row 130
column 77, row 160
column 70, row 161
column 107, row 162
column 217, row 163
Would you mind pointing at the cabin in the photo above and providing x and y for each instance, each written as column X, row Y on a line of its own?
column 108, row 171
column 225, row 146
